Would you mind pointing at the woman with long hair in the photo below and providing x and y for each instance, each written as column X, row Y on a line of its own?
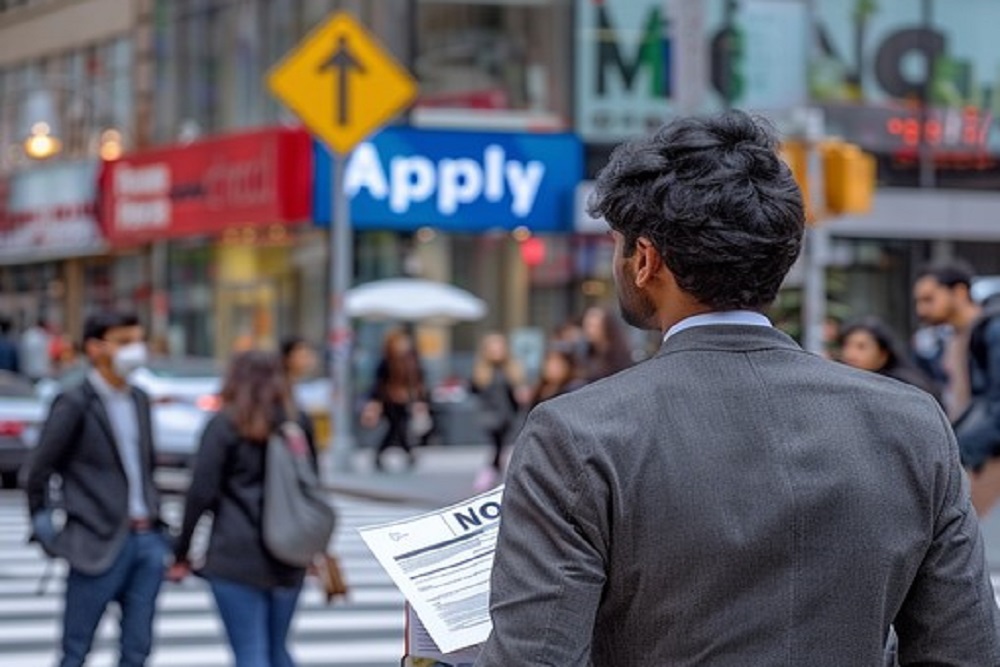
column 498, row 381
column 398, row 394
column 558, row 376
column 256, row 594
column 607, row 348
column 870, row 344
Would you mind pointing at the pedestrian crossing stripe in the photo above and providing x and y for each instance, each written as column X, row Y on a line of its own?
column 366, row 630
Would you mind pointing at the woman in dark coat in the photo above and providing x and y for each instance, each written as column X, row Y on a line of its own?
column 398, row 394
column 498, row 381
column 256, row 594
column 869, row 344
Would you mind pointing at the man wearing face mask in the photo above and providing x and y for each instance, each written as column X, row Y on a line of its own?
column 98, row 441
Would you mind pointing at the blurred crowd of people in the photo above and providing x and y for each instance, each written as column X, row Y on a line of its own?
column 578, row 352
column 954, row 356
column 38, row 351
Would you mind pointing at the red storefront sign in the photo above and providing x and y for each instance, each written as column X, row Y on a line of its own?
column 251, row 179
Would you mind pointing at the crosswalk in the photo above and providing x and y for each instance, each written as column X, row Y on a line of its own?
column 366, row 630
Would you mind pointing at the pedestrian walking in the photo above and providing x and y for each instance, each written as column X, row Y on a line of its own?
column 299, row 358
column 971, row 362
column 9, row 356
column 498, row 382
column 942, row 296
column 97, row 441
column 256, row 594
column 35, row 353
column 733, row 500
column 398, row 395
column 558, row 375
column 869, row 344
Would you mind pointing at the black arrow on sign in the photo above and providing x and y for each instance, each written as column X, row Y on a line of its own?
column 343, row 61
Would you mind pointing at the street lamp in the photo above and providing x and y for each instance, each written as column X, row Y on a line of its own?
column 38, row 124
column 41, row 144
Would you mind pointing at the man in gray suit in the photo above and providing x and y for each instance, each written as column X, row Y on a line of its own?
column 734, row 500
column 98, row 441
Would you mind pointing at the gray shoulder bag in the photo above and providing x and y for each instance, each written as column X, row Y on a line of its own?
column 298, row 521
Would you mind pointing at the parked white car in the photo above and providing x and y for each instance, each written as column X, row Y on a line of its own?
column 184, row 393
column 21, row 416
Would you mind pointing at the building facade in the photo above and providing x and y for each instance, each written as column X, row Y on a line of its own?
column 72, row 93
column 130, row 82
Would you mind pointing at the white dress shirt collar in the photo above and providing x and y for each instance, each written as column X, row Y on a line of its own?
column 741, row 317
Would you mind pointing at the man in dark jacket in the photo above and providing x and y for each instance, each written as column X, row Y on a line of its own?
column 98, row 440
column 971, row 360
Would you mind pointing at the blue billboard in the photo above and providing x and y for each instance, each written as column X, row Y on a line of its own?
column 406, row 178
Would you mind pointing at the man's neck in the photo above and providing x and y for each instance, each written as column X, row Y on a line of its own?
column 113, row 380
column 965, row 316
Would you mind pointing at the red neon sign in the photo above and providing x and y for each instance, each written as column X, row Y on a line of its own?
column 968, row 129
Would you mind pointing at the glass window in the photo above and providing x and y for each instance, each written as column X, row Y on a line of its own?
column 195, row 97
column 6, row 122
column 489, row 56
column 165, row 62
column 120, row 85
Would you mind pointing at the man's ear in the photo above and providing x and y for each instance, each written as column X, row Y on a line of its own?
column 649, row 263
column 91, row 347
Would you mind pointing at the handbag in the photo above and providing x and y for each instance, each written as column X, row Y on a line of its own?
column 328, row 570
column 297, row 521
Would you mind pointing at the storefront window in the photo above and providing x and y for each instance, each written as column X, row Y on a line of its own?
column 190, row 299
column 77, row 94
column 32, row 291
column 212, row 57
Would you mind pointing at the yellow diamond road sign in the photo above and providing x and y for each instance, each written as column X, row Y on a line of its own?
column 341, row 83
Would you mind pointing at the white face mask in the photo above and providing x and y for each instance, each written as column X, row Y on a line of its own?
column 128, row 358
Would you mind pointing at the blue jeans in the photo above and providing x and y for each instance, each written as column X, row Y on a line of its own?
column 133, row 581
column 257, row 621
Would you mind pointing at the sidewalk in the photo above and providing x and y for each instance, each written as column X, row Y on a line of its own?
column 441, row 476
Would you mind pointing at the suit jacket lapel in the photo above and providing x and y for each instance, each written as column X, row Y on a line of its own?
column 101, row 415
column 145, row 431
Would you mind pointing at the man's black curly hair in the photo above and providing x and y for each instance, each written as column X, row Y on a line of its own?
column 714, row 198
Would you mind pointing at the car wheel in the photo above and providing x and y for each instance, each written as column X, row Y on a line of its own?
column 8, row 479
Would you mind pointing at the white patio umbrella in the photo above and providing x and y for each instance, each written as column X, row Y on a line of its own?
column 413, row 300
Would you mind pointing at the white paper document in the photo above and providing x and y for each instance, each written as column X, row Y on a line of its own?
column 441, row 562
column 420, row 644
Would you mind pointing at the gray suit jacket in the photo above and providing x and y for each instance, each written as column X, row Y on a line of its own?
column 736, row 501
column 78, row 443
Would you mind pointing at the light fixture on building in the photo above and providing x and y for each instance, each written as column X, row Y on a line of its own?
column 38, row 123
column 41, row 144
column 426, row 234
column 521, row 234
column 111, row 144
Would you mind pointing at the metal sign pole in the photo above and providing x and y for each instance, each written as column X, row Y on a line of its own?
column 341, row 336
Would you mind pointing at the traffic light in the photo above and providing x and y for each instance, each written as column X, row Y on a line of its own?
column 796, row 155
column 848, row 178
